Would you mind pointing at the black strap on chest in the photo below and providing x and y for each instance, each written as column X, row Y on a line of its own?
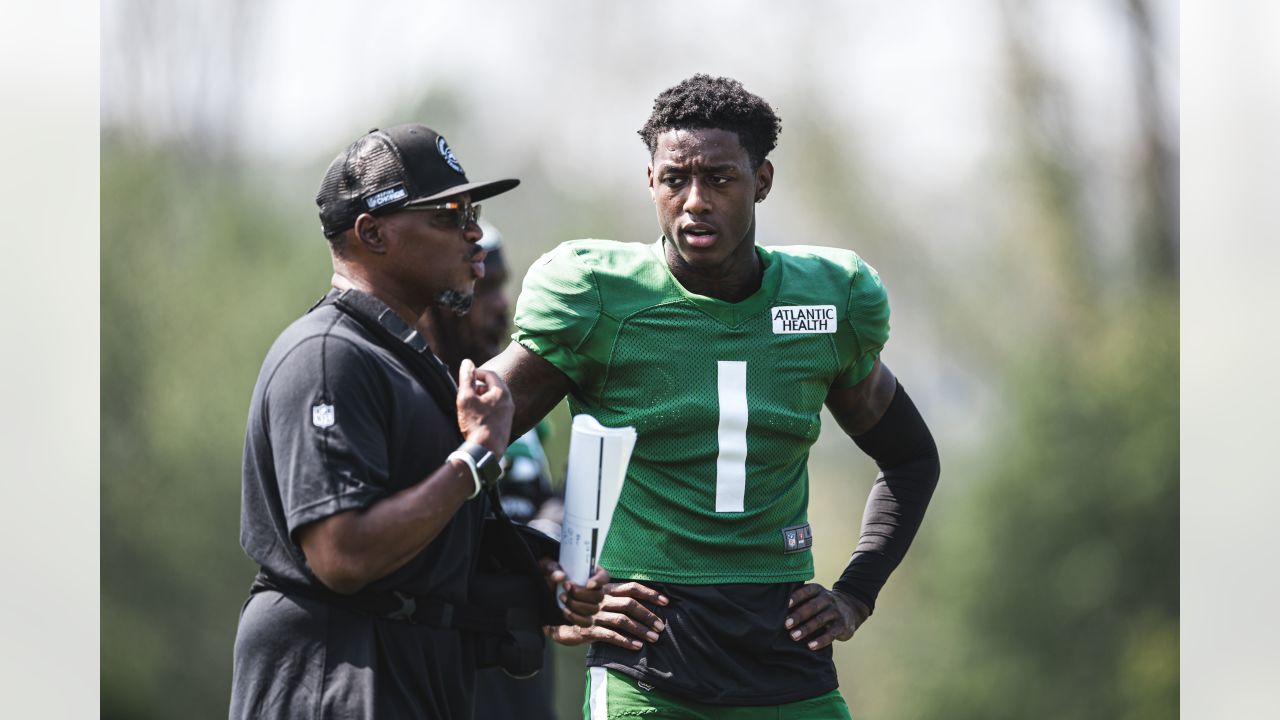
column 406, row 343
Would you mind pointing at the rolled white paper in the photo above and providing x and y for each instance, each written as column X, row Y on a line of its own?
column 598, row 458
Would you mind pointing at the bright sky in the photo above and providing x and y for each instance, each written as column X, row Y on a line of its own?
column 916, row 86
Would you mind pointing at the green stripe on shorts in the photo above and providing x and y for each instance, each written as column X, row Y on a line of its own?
column 613, row 695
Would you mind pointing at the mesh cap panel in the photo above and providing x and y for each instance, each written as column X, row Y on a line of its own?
column 370, row 164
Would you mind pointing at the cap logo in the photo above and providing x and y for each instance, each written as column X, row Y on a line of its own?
column 383, row 197
column 447, row 154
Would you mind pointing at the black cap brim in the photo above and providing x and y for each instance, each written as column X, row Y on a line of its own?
column 478, row 190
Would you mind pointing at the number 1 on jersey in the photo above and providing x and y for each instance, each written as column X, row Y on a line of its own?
column 731, row 463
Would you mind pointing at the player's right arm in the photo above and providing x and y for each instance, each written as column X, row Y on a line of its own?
column 556, row 312
column 537, row 386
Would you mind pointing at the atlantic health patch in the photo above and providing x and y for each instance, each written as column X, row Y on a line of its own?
column 790, row 319
column 797, row 539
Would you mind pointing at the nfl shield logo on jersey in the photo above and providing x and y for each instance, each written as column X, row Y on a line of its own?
column 797, row 538
column 322, row 415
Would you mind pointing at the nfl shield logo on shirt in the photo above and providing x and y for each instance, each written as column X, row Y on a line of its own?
column 322, row 415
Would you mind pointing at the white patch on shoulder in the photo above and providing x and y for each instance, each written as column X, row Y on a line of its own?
column 791, row 319
column 322, row 415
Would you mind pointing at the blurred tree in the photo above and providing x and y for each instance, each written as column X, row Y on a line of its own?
column 192, row 295
column 1057, row 589
column 1057, row 585
column 177, row 70
column 1157, row 212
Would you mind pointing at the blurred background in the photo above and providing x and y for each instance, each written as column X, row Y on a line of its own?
column 1009, row 166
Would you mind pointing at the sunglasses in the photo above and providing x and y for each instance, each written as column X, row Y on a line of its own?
column 461, row 214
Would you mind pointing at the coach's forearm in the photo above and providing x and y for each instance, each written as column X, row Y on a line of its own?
column 903, row 448
column 349, row 550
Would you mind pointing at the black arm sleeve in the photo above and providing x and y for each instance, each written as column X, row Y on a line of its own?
column 903, row 448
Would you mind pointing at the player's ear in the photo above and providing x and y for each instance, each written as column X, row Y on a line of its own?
column 648, row 170
column 764, row 180
column 371, row 233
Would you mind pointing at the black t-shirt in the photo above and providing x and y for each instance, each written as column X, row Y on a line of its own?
column 725, row 645
column 336, row 423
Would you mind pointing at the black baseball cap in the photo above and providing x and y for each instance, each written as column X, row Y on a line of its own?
column 389, row 169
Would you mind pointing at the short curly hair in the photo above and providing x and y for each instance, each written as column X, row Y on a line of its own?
column 720, row 103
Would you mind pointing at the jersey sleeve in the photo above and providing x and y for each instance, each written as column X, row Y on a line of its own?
column 327, row 410
column 867, row 317
column 558, row 307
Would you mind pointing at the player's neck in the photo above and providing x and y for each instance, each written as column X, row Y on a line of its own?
column 734, row 280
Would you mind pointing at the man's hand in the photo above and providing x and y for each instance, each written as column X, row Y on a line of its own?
column 818, row 616
column 580, row 601
column 484, row 407
column 622, row 620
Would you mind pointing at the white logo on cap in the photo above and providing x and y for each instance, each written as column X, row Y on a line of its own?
column 387, row 196
column 447, row 154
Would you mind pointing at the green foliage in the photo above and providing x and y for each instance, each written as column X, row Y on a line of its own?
column 1058, row 580
column 192, row 295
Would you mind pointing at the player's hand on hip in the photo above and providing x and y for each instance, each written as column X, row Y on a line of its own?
column 818, row 617
column 624, row 619
column 484, row 407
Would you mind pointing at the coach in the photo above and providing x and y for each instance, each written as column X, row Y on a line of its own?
column 365, row 469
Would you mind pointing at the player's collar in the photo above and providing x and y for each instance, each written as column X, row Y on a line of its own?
column 731, row 314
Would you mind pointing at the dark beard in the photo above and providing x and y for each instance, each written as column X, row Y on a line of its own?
column 459, row 303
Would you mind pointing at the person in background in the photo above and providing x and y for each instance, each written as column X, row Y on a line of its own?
column 528, row 495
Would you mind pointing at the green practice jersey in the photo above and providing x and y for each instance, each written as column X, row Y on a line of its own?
column 724, row 397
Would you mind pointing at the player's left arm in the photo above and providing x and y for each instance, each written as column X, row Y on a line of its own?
column 880, row 417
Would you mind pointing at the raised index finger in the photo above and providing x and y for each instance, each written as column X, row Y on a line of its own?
column 466, row 374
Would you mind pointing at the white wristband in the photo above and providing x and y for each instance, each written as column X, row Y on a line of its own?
column 470, row 462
